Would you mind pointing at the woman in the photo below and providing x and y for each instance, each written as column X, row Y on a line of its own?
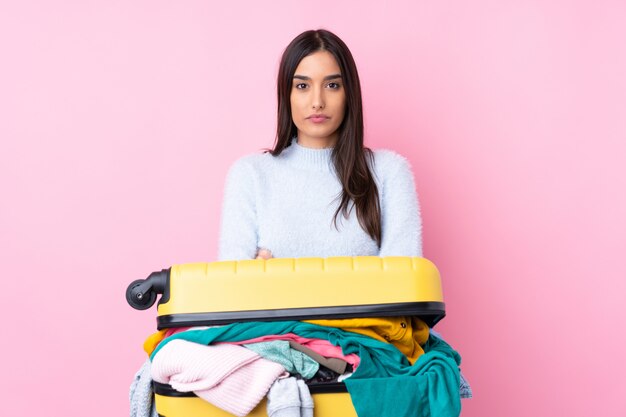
column 319, row 192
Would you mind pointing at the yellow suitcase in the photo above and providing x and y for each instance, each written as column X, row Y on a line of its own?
column 286, row 289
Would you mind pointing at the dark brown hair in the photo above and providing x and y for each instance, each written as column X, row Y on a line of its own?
column 349, row 156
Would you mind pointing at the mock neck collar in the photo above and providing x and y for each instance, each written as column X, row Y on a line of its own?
column 312, row 159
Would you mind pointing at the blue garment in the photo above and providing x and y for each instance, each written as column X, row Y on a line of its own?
column 465, row 390
column 286, row 204
column 141, row 395
column 428, row 388
column 293, row 361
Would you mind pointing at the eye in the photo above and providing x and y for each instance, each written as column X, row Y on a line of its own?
column 300, row 86
column 334, row 86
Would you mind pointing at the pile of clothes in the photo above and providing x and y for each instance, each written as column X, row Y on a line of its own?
column 391, row 367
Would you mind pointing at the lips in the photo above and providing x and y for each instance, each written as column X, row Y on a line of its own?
column 318, row 118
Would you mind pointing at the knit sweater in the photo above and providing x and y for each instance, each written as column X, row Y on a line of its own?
column 286, row 204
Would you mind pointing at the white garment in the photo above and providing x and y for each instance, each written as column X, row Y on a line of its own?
column 289, row 397
column 286, row 204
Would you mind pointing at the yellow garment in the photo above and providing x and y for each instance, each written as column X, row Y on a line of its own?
column 153, row 340
column 408, row 334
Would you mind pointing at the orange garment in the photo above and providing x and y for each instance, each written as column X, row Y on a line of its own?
column 406, row 333
column 153, row 340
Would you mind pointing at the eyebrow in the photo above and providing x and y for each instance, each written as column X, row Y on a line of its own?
column 326, row 78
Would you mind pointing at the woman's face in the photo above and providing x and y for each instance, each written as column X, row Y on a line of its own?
column 318, row 100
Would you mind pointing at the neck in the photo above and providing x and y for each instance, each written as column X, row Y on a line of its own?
column 317, row 143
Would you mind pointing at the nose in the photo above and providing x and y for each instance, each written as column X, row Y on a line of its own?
column 318, row 101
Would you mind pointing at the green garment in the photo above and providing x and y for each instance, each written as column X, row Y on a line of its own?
column 293, row 361
column 430, row 390
column 384, row 385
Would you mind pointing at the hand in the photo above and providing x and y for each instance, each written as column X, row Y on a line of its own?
column 263, row 254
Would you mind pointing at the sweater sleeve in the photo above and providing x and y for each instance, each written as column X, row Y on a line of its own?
column 238, row 230
column 401, row 219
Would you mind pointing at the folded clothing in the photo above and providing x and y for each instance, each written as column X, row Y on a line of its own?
column 279, row 351
column 427, row 388
column 406, row 333
column 320, row 346
column 230, row 377
column 141, row 395
column 289, row 397
column 335, row 364
column 152, row 341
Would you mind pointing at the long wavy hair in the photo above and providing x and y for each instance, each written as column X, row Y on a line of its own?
column 350, row 158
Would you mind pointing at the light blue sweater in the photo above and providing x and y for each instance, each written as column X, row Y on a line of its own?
column 286, row 204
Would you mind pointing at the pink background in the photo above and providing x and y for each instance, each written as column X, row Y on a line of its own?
column 118, row 121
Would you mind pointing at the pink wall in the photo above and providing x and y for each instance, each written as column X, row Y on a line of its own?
column 119, row 119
